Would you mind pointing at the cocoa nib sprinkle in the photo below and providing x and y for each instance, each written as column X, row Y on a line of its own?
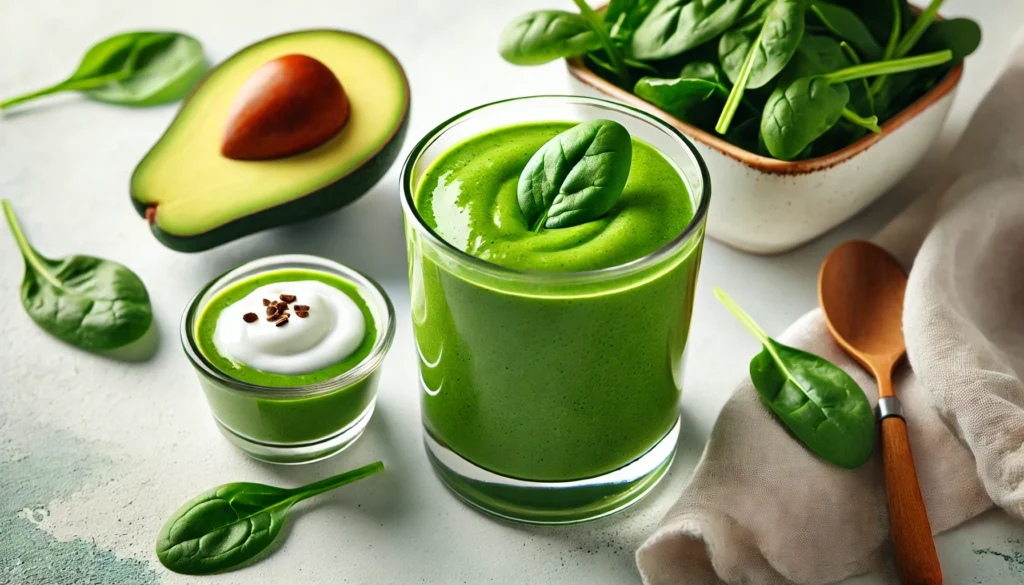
column 277, row 311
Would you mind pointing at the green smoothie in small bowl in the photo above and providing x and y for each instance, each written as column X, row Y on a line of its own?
column 287, row 349
column 550, row 359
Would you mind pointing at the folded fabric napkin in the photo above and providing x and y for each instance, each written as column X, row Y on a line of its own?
column 762, row 510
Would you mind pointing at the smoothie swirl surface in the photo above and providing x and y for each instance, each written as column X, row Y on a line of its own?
column 468, row 196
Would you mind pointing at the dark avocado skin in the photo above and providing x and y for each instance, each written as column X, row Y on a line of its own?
column 314, row 204
column 328, row 198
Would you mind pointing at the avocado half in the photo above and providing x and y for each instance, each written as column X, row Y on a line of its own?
column 194, row 198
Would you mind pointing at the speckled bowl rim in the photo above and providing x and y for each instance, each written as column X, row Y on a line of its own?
column 361, row 371
column 766, row 164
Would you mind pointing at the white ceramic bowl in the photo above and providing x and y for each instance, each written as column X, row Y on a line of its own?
column 767, row 206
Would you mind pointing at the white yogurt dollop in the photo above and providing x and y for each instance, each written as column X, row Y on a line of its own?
column 333, row 330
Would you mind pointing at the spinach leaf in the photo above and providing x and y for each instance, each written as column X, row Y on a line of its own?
column 624, row 16
column 877, row 15
column 89, row 302
column 675, row 26
column 800, row 111
column 676, row 96
column 614, row 53
column 545, row 35
column 757, row 52
column 817, row 401
column 766, row 47
column 815, row 55
column 167, row 67
column 962, row 36
column 697, row 82
column 230, row 524
column 133, row 69
column 846, row 25
column 576, row 176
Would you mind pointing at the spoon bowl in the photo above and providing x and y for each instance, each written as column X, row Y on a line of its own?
column 861, row 288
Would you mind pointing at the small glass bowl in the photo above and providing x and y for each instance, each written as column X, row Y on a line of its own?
column 300, row 424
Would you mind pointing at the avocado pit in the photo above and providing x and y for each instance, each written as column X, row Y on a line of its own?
column 290, row 105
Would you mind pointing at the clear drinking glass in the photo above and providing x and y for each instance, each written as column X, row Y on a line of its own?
column 297, row 424
column 551, row 397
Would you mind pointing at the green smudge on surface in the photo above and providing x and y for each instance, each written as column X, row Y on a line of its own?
column 38, row 465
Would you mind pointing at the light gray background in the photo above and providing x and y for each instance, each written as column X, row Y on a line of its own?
column 94, row 453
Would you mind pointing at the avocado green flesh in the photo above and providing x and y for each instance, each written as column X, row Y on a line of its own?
column 187, row 189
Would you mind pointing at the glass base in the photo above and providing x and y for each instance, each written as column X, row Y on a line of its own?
column 564, row 502
column 299, row 453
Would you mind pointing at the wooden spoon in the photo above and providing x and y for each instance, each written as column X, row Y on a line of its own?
column 860, row 288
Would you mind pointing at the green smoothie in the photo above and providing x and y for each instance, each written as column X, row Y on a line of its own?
column 544, row 385
column 289, row 418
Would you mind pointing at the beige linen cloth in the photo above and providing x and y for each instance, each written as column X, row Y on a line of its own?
column 762, row 510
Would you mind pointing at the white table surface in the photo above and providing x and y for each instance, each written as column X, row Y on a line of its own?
column 94, row 453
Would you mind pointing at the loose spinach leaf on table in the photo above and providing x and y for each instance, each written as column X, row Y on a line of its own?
column 675, row 26
column 167, row 67
column 89, row 302
column 800, row 111
column 753, row 55
column 576, row 176
column 230, row 524
column 133, row 69
column 817, row 401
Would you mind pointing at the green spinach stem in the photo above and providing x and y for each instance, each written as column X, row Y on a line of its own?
column 855, row 59
column 870, row 123
column 889, row 67
column 753, row 327
column 732, row 103
column 597, row 25
column 540, row 222
column 921, row 24
column 78, row 85
column 890, row 46
column 326, row 485
column 30, row 254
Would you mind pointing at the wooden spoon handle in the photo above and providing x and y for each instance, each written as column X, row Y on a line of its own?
column 908, row 519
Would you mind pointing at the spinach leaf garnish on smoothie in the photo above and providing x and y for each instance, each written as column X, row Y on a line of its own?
column 89, row 302
column 229, row 524
column 819, row 402
column 577, row 176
